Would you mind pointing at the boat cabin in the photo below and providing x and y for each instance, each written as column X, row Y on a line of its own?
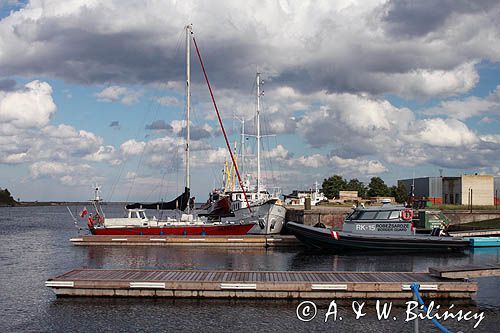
column 238, row 199
column 386, row 219
column 137, row 214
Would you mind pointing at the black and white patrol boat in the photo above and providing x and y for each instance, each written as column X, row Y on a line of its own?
column 386, row 227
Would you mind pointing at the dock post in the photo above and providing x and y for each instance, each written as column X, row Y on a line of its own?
column 415, row 322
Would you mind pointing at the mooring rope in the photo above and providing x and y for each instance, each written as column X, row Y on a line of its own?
column 415, row 287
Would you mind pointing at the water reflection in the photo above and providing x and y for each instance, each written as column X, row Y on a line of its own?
column 188, row 258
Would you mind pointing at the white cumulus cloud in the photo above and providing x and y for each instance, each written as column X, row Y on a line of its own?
column 29, row 107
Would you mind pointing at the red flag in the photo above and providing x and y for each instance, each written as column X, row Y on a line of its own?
column 84, row 212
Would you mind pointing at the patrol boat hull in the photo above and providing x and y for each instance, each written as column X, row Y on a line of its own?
column 338, row 241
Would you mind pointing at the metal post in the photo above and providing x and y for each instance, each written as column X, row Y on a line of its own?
column 496, row 199
column 471, row 200
column 468, row 199
column 415, row 322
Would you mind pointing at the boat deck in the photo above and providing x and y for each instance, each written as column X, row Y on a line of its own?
column 254, row 284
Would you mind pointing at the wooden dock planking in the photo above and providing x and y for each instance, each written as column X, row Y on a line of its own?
column 254, row 284
column 170, row 240
column 466, row 271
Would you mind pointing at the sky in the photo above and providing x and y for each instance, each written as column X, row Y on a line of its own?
column 93, row 92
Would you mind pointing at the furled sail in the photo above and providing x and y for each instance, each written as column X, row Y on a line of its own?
column 181, row 202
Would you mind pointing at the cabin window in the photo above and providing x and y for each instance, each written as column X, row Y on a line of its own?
column 238, row 196
column 354, row 215
column 383, row 215
column 142, row 215
column 394, row 215
column 368, row 215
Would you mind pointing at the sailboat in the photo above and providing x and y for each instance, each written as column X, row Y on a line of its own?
column 137, row 223
column 259, row 207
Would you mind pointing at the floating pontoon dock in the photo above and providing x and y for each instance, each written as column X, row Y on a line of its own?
column 225, row 241
column 254, row 284
column 466, row 271
column 485, row 241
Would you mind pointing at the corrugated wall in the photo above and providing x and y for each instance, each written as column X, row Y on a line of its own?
column 421, row 186
column 435, row 187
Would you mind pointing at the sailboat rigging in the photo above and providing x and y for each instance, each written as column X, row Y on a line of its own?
column 137, row 223
column 266, row 211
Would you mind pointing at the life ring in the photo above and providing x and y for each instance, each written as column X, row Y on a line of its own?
column 407, row 214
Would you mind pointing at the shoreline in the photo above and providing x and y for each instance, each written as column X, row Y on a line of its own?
column 51, row 203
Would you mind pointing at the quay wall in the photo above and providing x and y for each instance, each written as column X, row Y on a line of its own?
column 465, row 216
column 329, row 216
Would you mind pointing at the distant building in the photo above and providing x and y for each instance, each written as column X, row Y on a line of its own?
column 425, row 188
column 349, row 196
column 298, row 197
column 452, row 190
column 485, row 189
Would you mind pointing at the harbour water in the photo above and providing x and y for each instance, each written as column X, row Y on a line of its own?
column 34, row 243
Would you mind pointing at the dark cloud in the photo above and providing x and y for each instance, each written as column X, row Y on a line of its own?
column 159, row 125
column 7, row 85
column 196, row 133
column 419, row 17
column 341, row 53
column 115, row 124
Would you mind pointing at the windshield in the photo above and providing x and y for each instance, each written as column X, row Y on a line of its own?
column 354, row 215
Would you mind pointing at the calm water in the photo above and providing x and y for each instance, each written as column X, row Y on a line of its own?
column 34, row 246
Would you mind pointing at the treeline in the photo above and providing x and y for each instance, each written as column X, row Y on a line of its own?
column 6, row 198
column 376, row 188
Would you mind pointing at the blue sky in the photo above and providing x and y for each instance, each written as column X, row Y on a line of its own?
column 354, row 90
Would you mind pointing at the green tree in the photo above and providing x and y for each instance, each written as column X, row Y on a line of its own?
column 399, row 193
column 356, row 185
column 333, row 185
column 6, row 197
column 378, row 188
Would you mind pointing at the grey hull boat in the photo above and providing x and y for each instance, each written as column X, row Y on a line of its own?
column 387, row 227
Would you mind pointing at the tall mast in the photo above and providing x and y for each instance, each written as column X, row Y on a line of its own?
column 188, row 102
column 258, row 135
column 242, row 147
